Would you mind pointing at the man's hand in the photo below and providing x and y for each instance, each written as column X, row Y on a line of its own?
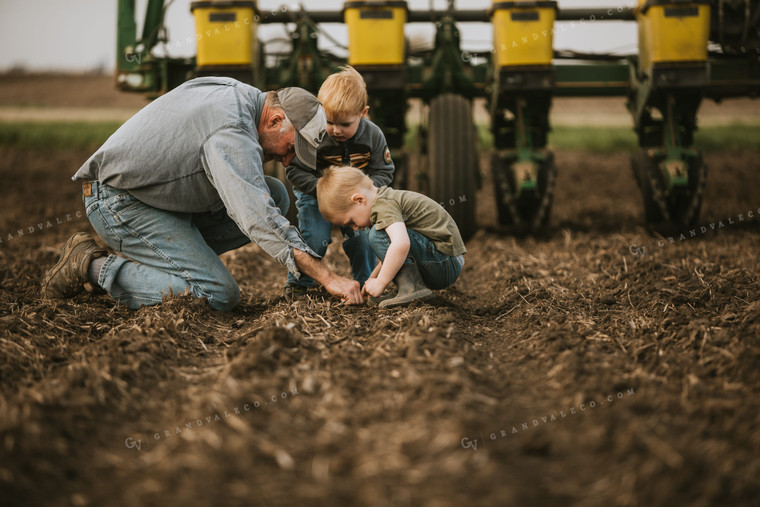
column 347, row 290
column 374, row 287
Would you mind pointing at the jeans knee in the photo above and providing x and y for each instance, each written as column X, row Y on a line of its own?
column 378, row 242
column 225, row 297
column 375, row 237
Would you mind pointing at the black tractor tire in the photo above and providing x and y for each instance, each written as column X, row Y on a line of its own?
column 523, row 212
column 643, row 167
column 682, row 205
column 453, row 160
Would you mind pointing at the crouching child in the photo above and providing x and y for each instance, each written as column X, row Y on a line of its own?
column 417, row 242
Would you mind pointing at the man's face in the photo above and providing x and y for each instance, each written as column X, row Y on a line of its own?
column 343, row 127
column 278, row 143
column 357, row 217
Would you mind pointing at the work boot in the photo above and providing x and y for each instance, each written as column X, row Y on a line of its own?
column 373, row 301
column 69, row 275
column 410, row 287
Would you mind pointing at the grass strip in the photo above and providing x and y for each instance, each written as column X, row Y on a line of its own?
column 90, row 135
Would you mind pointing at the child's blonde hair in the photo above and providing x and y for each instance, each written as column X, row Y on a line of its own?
column 344, row 93
column 335, row 188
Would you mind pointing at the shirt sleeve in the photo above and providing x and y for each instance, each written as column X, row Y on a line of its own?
column 381, row 166
column 232, row 159
column 384, row 213
column 302, row 178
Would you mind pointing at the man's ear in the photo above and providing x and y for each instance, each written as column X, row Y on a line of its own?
column 358, row 198
column 275, row 120
column 365, row 111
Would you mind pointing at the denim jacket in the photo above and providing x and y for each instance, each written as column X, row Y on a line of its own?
column 196, row 149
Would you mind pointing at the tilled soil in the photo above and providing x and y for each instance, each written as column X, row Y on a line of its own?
column 592, row 365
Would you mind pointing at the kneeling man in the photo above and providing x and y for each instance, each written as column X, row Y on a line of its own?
column 182, row 182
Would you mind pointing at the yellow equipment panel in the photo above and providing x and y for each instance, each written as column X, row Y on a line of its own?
column 522, row 32
column 375, row 32
column 226, row 32
column 672, row 32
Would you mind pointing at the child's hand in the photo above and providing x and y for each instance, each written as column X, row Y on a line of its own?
column 373, row 287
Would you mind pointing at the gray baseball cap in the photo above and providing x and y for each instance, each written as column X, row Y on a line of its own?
column 308, row 117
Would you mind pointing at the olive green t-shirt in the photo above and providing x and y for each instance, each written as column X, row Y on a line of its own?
column 419, row 213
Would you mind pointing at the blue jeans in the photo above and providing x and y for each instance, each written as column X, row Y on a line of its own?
column 438, row 270
column 166, row 252
column 315, row 231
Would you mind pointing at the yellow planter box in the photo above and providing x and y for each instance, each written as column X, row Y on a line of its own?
column 672, row 32
column 522, row 32
column 225, row 32
column 375, row 32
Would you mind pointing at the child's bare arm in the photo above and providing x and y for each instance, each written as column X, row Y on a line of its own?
column 394, row 259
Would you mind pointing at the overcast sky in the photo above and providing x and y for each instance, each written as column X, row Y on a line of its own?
column 80, row 35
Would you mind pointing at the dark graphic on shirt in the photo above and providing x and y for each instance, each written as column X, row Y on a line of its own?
column 357, row 155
